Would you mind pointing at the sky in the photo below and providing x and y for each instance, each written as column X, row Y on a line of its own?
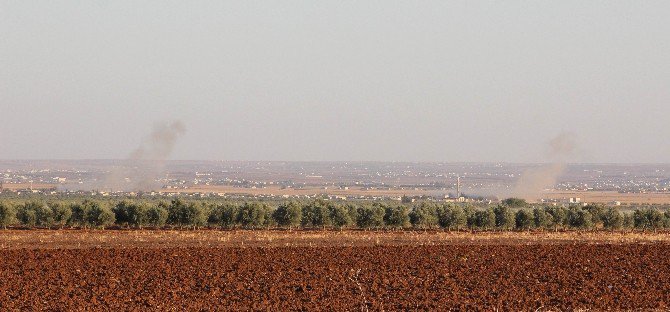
column 472, row 81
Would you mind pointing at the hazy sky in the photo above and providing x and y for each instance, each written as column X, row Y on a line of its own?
column 337, row 80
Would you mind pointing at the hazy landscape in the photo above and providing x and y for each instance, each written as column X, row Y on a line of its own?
column 602, row 183
column 334, row 155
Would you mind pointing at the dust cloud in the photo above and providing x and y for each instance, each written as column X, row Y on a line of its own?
column 534, row 181
column 144, row 168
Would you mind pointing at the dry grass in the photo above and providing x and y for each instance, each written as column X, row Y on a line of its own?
column 38, row 239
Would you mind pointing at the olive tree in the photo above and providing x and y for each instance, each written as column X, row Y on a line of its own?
column 485, row 219
column 523, row 219
column 424, row 216
column 396, row 217
column 316, row 214
column 130, row 213
column 7, row 215
column 370, row 216
column 288, row 214
column 612, row 219
column 558, row 216
column 78, row 217
column 628, row 222
column 138, row 214
column 194, row 215
column 229, row 215
column 597, row 212
column 98, row 214
column 35, row 214
column 61, row 213
column 177, row 213
column 452, row 217
column 541, row 219
column 515, row 202
column 121, row 212
column 341, row 215
column 252, row 215
column 648, row 218
column 26, row 216
column 504, row 217
column 157, row 216
column 224, row 215
column 579, row 218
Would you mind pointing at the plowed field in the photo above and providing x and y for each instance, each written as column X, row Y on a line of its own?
column 437, row 277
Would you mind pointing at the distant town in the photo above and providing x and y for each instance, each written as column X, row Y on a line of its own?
column 482, row 182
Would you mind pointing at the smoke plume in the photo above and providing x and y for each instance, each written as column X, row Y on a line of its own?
column 145, row 165
column 160, row 143
column 534, row 181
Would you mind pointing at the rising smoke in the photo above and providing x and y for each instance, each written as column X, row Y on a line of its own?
column 146, row 164
column 534, row 181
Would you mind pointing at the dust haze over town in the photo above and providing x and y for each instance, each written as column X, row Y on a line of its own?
column 381, row 98
column 333, row 155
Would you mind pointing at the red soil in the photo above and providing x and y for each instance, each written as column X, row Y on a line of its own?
column 456, row 277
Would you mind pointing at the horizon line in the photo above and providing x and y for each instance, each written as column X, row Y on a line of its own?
column 334, row 161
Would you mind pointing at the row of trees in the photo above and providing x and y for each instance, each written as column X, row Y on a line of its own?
column 323, row 214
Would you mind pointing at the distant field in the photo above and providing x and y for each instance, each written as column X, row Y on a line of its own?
column 586, row 196
column 25, row 186
column 275, row 190
column 608, row 197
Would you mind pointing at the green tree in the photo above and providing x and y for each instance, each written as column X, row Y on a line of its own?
column 628, row 222
column 79, row 211
column 177, row 213
column 341, row 216
column 515, row 202
column 61, row 213
column 99, row 214
column 316, row 214
column 656, row 218
column 137, row 214
column 7, row 215
column 35, row 214
column 370, row 216
column 523, row 219
column 469, row 212
column 396, row 217
column 252, row 215
column 579, row 218
column 194, row 215
column 268, row 221
column 648, row 218
column 229, row 215
column 452, row 217
column 121, row 213
column 288, row 214
column 157, row 216
column 504, row 217
column 27, row 216
column 597, row 212
column 352, row 211
column 131, row 214
column 541, row 219
column 612, row 219
column 224, row 215
column 485, row 219
column 558, row 216
column 424, row 216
